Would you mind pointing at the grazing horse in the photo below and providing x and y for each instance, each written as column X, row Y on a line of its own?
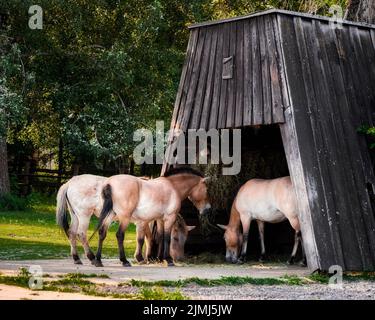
column 271, row 201
column 130, row 198
column 82, row 196
column 179, row 236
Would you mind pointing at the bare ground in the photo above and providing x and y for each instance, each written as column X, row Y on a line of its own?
column 154, row 272
column 17, row 293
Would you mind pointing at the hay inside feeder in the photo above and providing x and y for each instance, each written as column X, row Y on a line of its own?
column 262, row 156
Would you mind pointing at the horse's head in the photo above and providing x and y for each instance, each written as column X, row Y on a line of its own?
column 199, row 196
column 233, row 241
column 179, row 236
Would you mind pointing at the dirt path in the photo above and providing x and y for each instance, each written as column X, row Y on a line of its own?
column 116, row 274
column 359, row 290
column 154, row 272
column 17, row 293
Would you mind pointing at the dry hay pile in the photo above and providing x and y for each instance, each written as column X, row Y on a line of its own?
column 263, row 163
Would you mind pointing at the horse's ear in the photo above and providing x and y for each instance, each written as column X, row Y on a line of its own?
column 189, row 228
column 222, row 226
column 206, row 179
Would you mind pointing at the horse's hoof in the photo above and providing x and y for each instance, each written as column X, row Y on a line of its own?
column 78, row 261
column 170, row 263
column 290, row 261
column 240, row 261
column 126, row 264
column 97, row 263
column 262, row 259
column 139, row 258
column 303, row 263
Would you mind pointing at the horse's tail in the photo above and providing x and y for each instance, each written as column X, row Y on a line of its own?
column 107, row 214
column 62, row 209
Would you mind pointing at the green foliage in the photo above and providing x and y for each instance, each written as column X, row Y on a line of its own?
column 12, row 75
column 12, row 202
column 223, row 281
column 74, row 283
column 157, row 293
column 370, row 132
column 100, row 69
column 20, row 280
column 83, row 275
column 33, row 234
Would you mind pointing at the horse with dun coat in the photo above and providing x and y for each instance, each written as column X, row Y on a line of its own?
column 82, row 196
column 130, row 198
column 271, row 201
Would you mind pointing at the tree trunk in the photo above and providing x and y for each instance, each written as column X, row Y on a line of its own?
column 4, row 174
column 361, row 11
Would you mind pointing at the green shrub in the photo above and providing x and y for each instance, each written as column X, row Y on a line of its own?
column 370, row 132
column 12, row 202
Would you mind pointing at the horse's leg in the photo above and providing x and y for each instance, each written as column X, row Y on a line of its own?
column 246, row 221
column 149, row 242
column 120, row 235
column 98, row 258
column 159, row 238
column 84, row 221
column 297, row 236
column 303, row 261
column 294, row 222
column 140, row 227
column 261, row 238
column 169, row 220
column 73, row 239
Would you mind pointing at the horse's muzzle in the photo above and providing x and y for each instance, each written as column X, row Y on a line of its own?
column 231, row 260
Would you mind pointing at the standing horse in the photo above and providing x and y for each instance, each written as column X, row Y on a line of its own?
column 128, row 197
column 264, row 201
column 82, row 196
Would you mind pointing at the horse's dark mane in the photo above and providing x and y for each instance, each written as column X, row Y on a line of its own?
column 180, row 222
column 181, row 170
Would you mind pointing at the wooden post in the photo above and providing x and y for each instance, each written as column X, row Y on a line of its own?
column 26, row 179
column 4, row 174
column 61, row 159
column 131, row 165
column 75, row 169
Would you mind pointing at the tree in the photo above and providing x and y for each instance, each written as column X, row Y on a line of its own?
column 99, row 69
column 11, row 106
column 361, row 11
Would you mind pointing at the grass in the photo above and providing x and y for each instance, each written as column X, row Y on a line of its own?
column 33, row 234
column 348, row 276
column 75, row 283
column 83, row 275
column 157, row 290
column 237, row 281
column 223, row 281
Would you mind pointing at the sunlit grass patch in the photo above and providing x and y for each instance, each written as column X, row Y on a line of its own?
column 33, row 234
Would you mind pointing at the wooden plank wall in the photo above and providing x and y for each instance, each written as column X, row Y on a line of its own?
column 253, row 96
column 330, row 77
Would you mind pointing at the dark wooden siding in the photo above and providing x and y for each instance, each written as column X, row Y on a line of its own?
column 331, row 80
column 318, row 83
column 253, row 96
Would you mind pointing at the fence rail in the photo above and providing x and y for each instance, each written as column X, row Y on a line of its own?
column 50, row 180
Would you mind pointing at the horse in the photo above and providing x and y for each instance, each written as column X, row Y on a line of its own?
column 271, row 200
column 179, row 236
column 128, row 197
column 82, row 196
